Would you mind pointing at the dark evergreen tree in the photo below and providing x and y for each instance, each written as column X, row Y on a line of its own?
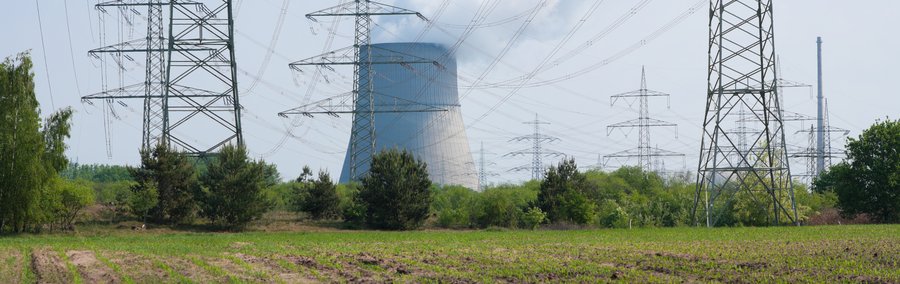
column 320, row 199
column 396, row 192
column 175, row 180
column 233, row 188
column 563, row 195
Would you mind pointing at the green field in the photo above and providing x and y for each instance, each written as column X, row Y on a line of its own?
column 816, row 254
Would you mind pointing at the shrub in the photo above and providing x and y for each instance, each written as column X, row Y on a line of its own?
column 534, row 217
column 453, row 206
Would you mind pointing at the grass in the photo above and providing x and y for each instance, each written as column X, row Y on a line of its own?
column 785, row 254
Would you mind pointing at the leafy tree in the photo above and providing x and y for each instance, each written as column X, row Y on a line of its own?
column 233, row 188
column 564, row 195
column 175, row 180
column 320, row 199
column 30, row 155
column 21, row 174
column 869, row 181
column 73, row 196
column 396, row 191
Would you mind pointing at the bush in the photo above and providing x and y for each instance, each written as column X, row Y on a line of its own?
column 453, row 206
column 534, row 217
column 396, row 192
column 504, row 206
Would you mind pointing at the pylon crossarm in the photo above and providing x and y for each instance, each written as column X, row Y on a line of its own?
column 529, row 151
column 343, row 104
column 375, row 9
column 541, row 137
column 132, row 3
column 641, row 122
column 347, row 56
column 657, row 152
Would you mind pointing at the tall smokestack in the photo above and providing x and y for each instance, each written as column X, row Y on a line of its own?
column 820, row 133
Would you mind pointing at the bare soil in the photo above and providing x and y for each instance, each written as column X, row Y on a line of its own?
column 91, row 269
column 48, row 267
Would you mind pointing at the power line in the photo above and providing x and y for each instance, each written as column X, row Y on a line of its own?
column 71, row 50
column 44, row 52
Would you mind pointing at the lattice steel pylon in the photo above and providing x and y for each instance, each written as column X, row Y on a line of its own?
column 361, row 101
column 813, row 155
column 201, row 78
column 191, row 76
column 483, row 172
column 647, row 156
column 153, row 46
column 742, row 73
column 537, row 150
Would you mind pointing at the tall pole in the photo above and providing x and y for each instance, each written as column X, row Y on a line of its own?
column 820, row 132
column 742, row 73
column 537, row 150
column 646, row 154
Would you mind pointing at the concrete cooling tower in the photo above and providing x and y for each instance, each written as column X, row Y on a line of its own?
column 437, row 138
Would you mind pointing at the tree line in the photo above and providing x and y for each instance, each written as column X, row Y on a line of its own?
column 40, row 190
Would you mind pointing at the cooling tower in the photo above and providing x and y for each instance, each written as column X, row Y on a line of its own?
column 436, row 137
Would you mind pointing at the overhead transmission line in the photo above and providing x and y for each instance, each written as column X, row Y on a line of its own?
column 44, row 52
column 657, row 33
column 276, row 34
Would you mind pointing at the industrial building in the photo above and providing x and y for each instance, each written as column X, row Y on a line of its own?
column 417, row 109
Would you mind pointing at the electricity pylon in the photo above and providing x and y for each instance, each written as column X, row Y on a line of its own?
column 154, row 48
column 361, row 101
column 483, row 173
column 191, row 74
column 813, row 155
column 537, row 150
column 647, row 156
column 742, row 74
column 201, row 78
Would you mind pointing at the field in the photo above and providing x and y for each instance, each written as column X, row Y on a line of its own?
column 746, row 255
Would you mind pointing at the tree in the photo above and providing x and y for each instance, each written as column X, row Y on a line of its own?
column 20, row 143
column 142, row 201
column 233, row 188
column 73, row 196
column 869, row 181
column 175, row 180
column 564, row 197
column 396, row 191
column 30, row 156
column 320, row 199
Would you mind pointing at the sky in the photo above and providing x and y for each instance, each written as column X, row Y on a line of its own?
column 575, row 53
